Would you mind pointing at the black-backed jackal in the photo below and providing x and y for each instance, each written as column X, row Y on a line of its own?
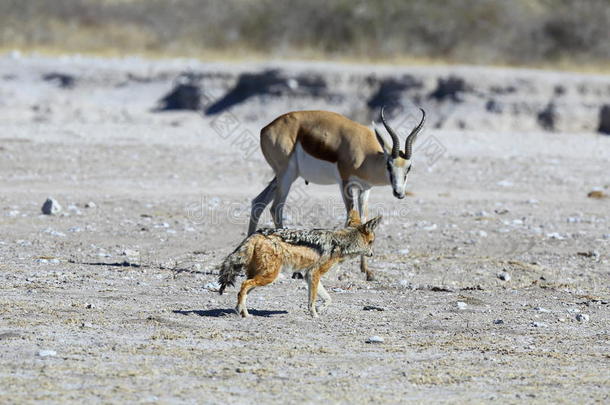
column 313, row 252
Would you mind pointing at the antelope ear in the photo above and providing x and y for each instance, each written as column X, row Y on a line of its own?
column 386, row 150
column 370, row 226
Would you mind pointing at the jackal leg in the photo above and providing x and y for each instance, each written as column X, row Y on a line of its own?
column 363, row 207
column 260, row 276
column 324, row 295
column 314, row 283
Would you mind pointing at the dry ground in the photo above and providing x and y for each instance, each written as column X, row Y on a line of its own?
column 117, row 292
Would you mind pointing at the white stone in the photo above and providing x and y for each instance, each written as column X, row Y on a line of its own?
column 47, row 353
column 374, row 339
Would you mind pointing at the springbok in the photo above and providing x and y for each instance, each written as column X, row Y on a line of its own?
column 324, row 147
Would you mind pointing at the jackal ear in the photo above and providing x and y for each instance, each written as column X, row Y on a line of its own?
column 370, row 226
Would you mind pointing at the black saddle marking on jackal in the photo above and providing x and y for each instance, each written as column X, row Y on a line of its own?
column 320, row 240
column 219, row 312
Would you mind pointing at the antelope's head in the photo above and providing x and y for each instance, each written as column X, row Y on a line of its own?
column 398, row 163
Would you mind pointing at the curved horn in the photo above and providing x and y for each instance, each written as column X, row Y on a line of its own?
column 413, row 135
column 395, row 141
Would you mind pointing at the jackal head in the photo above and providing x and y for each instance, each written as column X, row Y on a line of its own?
column 357, row 239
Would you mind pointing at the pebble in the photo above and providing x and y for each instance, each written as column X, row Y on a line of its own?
column 505, row 183
column 403, row 251
column 461, row 305
column 47, row 353
column 90, row 204
column 374, row 339
column 555, row 235
column 51, row 207
column 582, row 318
column 540, row 309
column 54, row 232
column 45, row 261
column 498, row 322
column 504, row 276
column 539, row 324
column 213, row 286
column 373, row 308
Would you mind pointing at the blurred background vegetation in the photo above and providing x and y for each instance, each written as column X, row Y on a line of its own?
column 547, row 33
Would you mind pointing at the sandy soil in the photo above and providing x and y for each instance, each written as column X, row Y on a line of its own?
column 113, row 302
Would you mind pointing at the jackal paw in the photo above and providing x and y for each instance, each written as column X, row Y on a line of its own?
column 243, row 312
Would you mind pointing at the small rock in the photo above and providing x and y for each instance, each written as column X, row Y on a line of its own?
column 213, row 286
column 403, row 252
column 374, row 339
column 505, row 183
column 90, row 204
column 86, row 325
column 582, row 317
column 47, row 353
column 539, row 324
column 591, row 253
column 54, row 232
column 373, row 308
column 130, row 252
column 339, row 290
column 598, row 194
column 555, row 235
column 504, row 276
column 461, row 305
column 51, row 207
column 498, row 322
column 540, row 309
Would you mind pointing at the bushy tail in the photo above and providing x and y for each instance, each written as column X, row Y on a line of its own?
column 233, row 265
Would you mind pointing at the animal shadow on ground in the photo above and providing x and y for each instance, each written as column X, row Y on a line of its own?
column 218, row 312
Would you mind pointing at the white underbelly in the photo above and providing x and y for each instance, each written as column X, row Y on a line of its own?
column 314, row 170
